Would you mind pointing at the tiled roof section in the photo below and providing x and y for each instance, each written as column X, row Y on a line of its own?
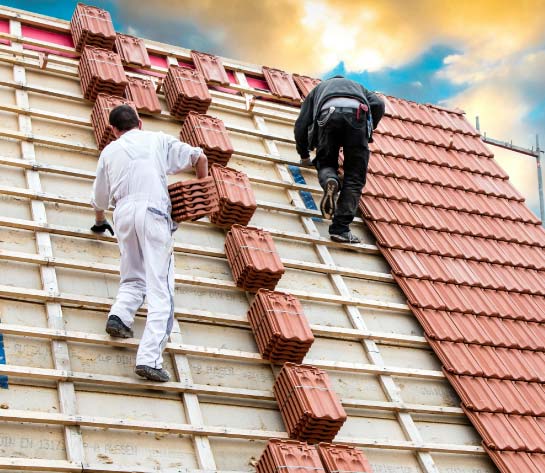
column 132, row 50
column 211, row 67
column 92, row 26
column 281, row 83
column 305, row 84
column 468, row 254
column 101, row 71
column 142, row 92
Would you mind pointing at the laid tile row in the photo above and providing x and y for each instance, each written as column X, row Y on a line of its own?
column 490, row 362
column 437, row 155
column 454, row 245
column 185, row 91
column 101, row 71
column 443, row 197
column 452, row 221
column 430, row 115
column 510, row 432
column 92, row 26
column 309, row 406
column 517, row 462
column 499, row 395
column 472, row 300
column 423, row 174
column 470, row 328
column 465, row 272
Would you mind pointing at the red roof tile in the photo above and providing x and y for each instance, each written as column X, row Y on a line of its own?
column 211, row 67
column 338, row 458
column 281, row 83
column 132, row 50
column 101, row 71
column 305, row 84
column 289, row 455
column 92, row 26
column 142, row 93
column 517, row 462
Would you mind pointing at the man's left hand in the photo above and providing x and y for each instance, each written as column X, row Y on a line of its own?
column 101, row 227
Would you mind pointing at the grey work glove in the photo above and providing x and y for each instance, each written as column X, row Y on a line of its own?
column 101, row 227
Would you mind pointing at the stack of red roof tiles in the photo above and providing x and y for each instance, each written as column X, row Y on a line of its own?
column 132, row 50
column 280, row 327
column 308, row 404
column 142, row 93
column 99, row 118
column 281, row 83
column 211, row 67
column 101, row 71
column 253, row 259
column 92, row 26
column 185, row 91
column 328, row 458
column 193, row 199
column 305, row 84
column 469, row 256
column 237, row 202
column 210, row 134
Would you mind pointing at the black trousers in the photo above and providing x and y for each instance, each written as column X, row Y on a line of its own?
column 343, row 129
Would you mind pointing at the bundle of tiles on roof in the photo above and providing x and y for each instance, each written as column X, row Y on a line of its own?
column 91, row 26
column 308, row 404
column 142, row 92
column 132, row 50
column 289, row 456
column 281, row 83
column 100, row 118
column 193, row 199
column 253, row 259
column 305, row 84
column 210, row 134
column 338, row 458
column 101, row 71
column 236, row 198
column 211, row 67
column 280, row 327
column 185, row 91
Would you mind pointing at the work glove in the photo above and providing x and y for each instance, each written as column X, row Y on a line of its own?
column 306, row 163
column 101, row 227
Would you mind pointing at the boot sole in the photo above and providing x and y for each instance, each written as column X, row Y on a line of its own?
column 150, row 376
column 328, row 202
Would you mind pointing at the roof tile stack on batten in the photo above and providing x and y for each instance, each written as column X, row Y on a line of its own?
column 210, row 134
column 251, row 254
column 193, row 199
column 185, row 91
column 237, row 202
column 289, row 456
column 142, row 93
column 468, row 254
column 101, row 71
column 281, row 330
column 338, row 458
column 309, row 406
column 92, row 26
column 100, row 117
column 211, row 67
column 132, row 50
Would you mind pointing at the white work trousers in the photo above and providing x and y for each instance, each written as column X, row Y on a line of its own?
column 147, row 270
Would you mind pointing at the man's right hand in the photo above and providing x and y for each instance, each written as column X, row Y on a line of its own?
column 101, row 227
column 201, row 168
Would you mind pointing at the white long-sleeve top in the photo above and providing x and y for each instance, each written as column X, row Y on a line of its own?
column 136, row 165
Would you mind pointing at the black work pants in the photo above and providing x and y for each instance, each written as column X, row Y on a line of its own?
column 343, row 129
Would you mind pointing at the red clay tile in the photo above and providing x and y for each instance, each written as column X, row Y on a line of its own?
column 185, row 91
column 100, row 117
column 142, row 93
column 211, row 67
column 132, row 50
column 91, row 26
column 210, row 134
column 338, row 458
column 193, row 199
column 281, row 83
column 305, row 84
column 517, row 462
column 290, row 456
column 101, row 71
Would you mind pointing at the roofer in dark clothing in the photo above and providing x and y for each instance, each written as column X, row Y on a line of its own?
column 338, row 112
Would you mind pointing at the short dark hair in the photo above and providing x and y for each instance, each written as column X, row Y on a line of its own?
column 124, row 117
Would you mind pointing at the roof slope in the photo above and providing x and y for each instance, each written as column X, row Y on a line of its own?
column 468, row 254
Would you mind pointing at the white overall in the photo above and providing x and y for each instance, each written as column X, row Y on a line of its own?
column 131, row 175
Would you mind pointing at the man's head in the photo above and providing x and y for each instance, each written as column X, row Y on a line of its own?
column 124, row 118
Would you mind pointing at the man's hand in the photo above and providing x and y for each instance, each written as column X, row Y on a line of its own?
column 201, row 168
column 101, row 227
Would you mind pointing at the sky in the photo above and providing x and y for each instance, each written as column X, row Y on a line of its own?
column 486, row 57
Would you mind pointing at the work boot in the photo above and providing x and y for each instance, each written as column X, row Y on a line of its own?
column 153, row 374
column 328, row 203
column 116, row 328
column 346, row 237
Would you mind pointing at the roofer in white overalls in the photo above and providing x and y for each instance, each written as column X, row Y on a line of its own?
column 131, row 176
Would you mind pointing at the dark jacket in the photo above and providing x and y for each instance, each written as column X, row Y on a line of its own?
column 305, row 128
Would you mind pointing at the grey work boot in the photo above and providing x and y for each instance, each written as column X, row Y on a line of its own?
column 116, row 328
column 153, row 374
column 346, row 237
column 328, row 203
